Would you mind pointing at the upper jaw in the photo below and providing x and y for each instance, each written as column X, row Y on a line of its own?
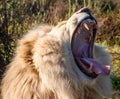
column 78, row 18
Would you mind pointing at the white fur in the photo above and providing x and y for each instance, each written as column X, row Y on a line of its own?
column 44, row 68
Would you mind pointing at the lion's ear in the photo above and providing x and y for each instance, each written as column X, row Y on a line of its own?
column 47, row 50
column 47, row 45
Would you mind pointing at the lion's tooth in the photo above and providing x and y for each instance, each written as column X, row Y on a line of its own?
column 86, row 26
column 90, row 68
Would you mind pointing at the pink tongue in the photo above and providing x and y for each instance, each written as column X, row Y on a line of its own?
column 96, row 66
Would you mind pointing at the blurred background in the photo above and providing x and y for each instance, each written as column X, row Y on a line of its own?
column 18, row 16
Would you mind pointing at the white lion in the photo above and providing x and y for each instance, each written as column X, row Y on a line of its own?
column 59, row 62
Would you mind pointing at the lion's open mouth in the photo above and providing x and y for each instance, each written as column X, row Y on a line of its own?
column 82, row 48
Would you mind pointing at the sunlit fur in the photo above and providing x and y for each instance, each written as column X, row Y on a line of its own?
column 44, row 68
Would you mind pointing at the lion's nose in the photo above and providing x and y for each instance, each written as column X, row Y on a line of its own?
column 85, row 9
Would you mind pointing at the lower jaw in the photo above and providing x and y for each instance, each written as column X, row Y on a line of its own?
column 85, row 71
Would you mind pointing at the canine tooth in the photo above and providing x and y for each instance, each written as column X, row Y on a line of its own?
column 91, row 66
column 86, row 26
